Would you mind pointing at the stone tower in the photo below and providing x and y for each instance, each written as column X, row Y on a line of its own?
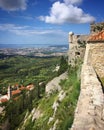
column 9, row 92
column 77, row 45
column 72, row 47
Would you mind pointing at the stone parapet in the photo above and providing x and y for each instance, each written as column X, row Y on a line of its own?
column 89, row 114
column 96, row 58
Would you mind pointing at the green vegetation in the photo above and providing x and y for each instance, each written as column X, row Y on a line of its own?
column 66, row 108
column 63, row 65
column 16, row 109
column 25, row 70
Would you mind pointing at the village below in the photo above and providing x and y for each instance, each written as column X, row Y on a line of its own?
column 47, row 51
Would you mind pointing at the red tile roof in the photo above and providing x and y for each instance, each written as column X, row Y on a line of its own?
column 18, row 91
column 22, row 88
column 98, row 37
column 4, row 100
column 14, row 92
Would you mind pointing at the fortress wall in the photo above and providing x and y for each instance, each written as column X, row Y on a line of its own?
column 89, row 114
column 96, row 58
column 96, row 27
column 76, row 49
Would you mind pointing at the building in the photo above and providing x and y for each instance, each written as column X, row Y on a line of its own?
column 11, row 93
column 96, row 27
column 97, row 37
column 96, row 52
column 77, row 43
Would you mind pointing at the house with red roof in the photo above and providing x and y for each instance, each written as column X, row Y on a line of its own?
column 3, row 98
column 96, row 52
column 16, row 92
column 12, row 93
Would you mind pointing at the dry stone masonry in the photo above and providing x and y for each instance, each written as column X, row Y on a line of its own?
column 89, row 114
column 76, row 47
column 96, row 58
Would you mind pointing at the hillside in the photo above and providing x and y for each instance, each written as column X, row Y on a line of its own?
column 19, row 72
column 56, row 109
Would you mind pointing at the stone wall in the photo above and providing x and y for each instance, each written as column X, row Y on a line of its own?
column 96, row 58
column 96, row 27
column 76, row 47
column 89, row 114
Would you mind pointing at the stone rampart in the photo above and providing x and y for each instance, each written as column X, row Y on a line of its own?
column 96, row 27
column 76, row 47
column 96, row 58
column 89, row 114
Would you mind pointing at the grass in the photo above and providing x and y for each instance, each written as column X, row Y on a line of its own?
column 65, row 111
column 25, row 65
column 45, row 106
column 25, row 70
column 66, row 108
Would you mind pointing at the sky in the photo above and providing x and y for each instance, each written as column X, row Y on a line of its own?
column 46, row 21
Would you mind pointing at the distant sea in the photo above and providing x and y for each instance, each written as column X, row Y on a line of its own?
column 30, row 45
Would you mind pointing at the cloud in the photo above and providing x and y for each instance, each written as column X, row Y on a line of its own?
column 67, row 12
column 28, row 31
column 75, row 2
column 13, row 5
column 9, row 27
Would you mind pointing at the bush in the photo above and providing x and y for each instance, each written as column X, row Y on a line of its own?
column 63, row 65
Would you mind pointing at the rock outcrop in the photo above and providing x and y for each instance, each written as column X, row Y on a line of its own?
column 53, row 85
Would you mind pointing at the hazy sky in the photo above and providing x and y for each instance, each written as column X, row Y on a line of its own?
column 46, row 21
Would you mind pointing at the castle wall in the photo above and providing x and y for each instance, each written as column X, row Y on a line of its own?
column 76, row 47
column 96, row 58
column 89, row 114
column 96, row 27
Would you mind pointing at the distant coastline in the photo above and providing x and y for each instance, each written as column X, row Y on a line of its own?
column 30, row 46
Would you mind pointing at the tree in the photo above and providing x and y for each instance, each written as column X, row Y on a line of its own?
column 63, row 65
